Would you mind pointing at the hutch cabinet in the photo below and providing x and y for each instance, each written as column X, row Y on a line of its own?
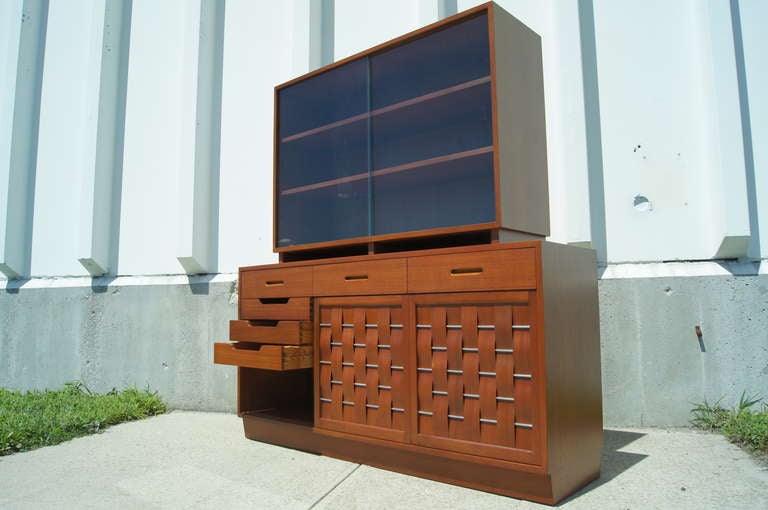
column 441, row 131
column 417, row 321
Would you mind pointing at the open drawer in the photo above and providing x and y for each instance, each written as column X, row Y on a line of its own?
column 268, row 357
column 271, row 332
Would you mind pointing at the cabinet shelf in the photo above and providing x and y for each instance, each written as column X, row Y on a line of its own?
column 390, row 170
column 387, row 109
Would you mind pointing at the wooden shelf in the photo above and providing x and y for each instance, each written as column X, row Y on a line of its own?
column 387, row 109
column 391, row 170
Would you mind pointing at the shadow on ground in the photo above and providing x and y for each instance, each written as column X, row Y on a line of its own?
column 613, row 461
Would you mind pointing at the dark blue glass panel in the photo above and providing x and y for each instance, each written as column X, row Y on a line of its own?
column 324, row 214
column 328, row 97
column 454, row 55
column 453, row 193
column 327, row 155
column 451, row 123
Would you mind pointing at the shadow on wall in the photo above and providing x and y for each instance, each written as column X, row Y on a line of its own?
column 613, row 461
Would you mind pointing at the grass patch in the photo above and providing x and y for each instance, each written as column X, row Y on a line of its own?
column 33, row 419
column 743, row 425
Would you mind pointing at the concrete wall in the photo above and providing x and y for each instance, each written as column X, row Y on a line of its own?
column 115, row 333
column 158, row 332
column 136, row 139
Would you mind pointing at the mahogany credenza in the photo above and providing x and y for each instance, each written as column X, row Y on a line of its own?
column 475, row 365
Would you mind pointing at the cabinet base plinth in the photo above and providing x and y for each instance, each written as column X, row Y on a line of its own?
column 421, row 462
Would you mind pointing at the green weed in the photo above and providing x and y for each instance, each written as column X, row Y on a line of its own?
column 33, row 419
column 743, row 424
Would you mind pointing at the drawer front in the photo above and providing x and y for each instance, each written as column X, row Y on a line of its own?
column 292, row 309
column 276, row 283
column 360, row 278
column 271, row 332
column 268, row 357
column 490, row 270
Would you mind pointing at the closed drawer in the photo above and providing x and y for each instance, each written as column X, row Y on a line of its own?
column 268, row 357
column 488, row 270
column 271, row 332
column 359, row 278
column 292, row 309
column 267, row 283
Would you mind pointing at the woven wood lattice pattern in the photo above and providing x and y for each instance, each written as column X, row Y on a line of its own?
column 476, row 374
column 362, row 368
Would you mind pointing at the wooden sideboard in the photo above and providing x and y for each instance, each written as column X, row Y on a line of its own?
column 477, row 365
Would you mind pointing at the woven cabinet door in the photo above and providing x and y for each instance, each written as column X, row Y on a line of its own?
column 478, row 381
column 362, row 367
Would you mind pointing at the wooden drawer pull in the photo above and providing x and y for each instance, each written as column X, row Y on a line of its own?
column 356, row 277
column 274, row 283
column 466, row 271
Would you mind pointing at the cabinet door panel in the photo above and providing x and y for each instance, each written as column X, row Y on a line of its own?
column 362, row 383
column 477, row 381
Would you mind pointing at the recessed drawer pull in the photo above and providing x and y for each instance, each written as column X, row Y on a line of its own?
column 470, row 349
column 423, row 369
column 360, row 385
column 327, row 400
column 425, row 413
column 325, row 362
column 471, row 395
column 505, row 399
column 524, row 425
column 455, row 372
column 488, row 420
column 355, row 277
column 444, row 393
column 274, row 283
column 396, row 367
column 487, row 374
column 336, row 382
column 466, row 271
column 358, row 345
column 423, row 326
column 486, row 326
column 438, row 348
column 398, row 410
column 274, row 301
column 453, row 326
column 455, row 417
column 504, row 351
column 384, row 387
column 521, row 326
column 347, row 364
column 347, row 403
column 336, row 344
column 372, row 406
column 522, row 376
column 383, row 346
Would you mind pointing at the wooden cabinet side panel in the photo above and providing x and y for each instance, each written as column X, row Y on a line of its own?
column 522, row 149
column 574, row 387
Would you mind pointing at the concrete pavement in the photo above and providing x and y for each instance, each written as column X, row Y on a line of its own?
column 202, row 460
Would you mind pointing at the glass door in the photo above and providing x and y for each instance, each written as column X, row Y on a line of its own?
column 324, row 157
column 431, row 130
